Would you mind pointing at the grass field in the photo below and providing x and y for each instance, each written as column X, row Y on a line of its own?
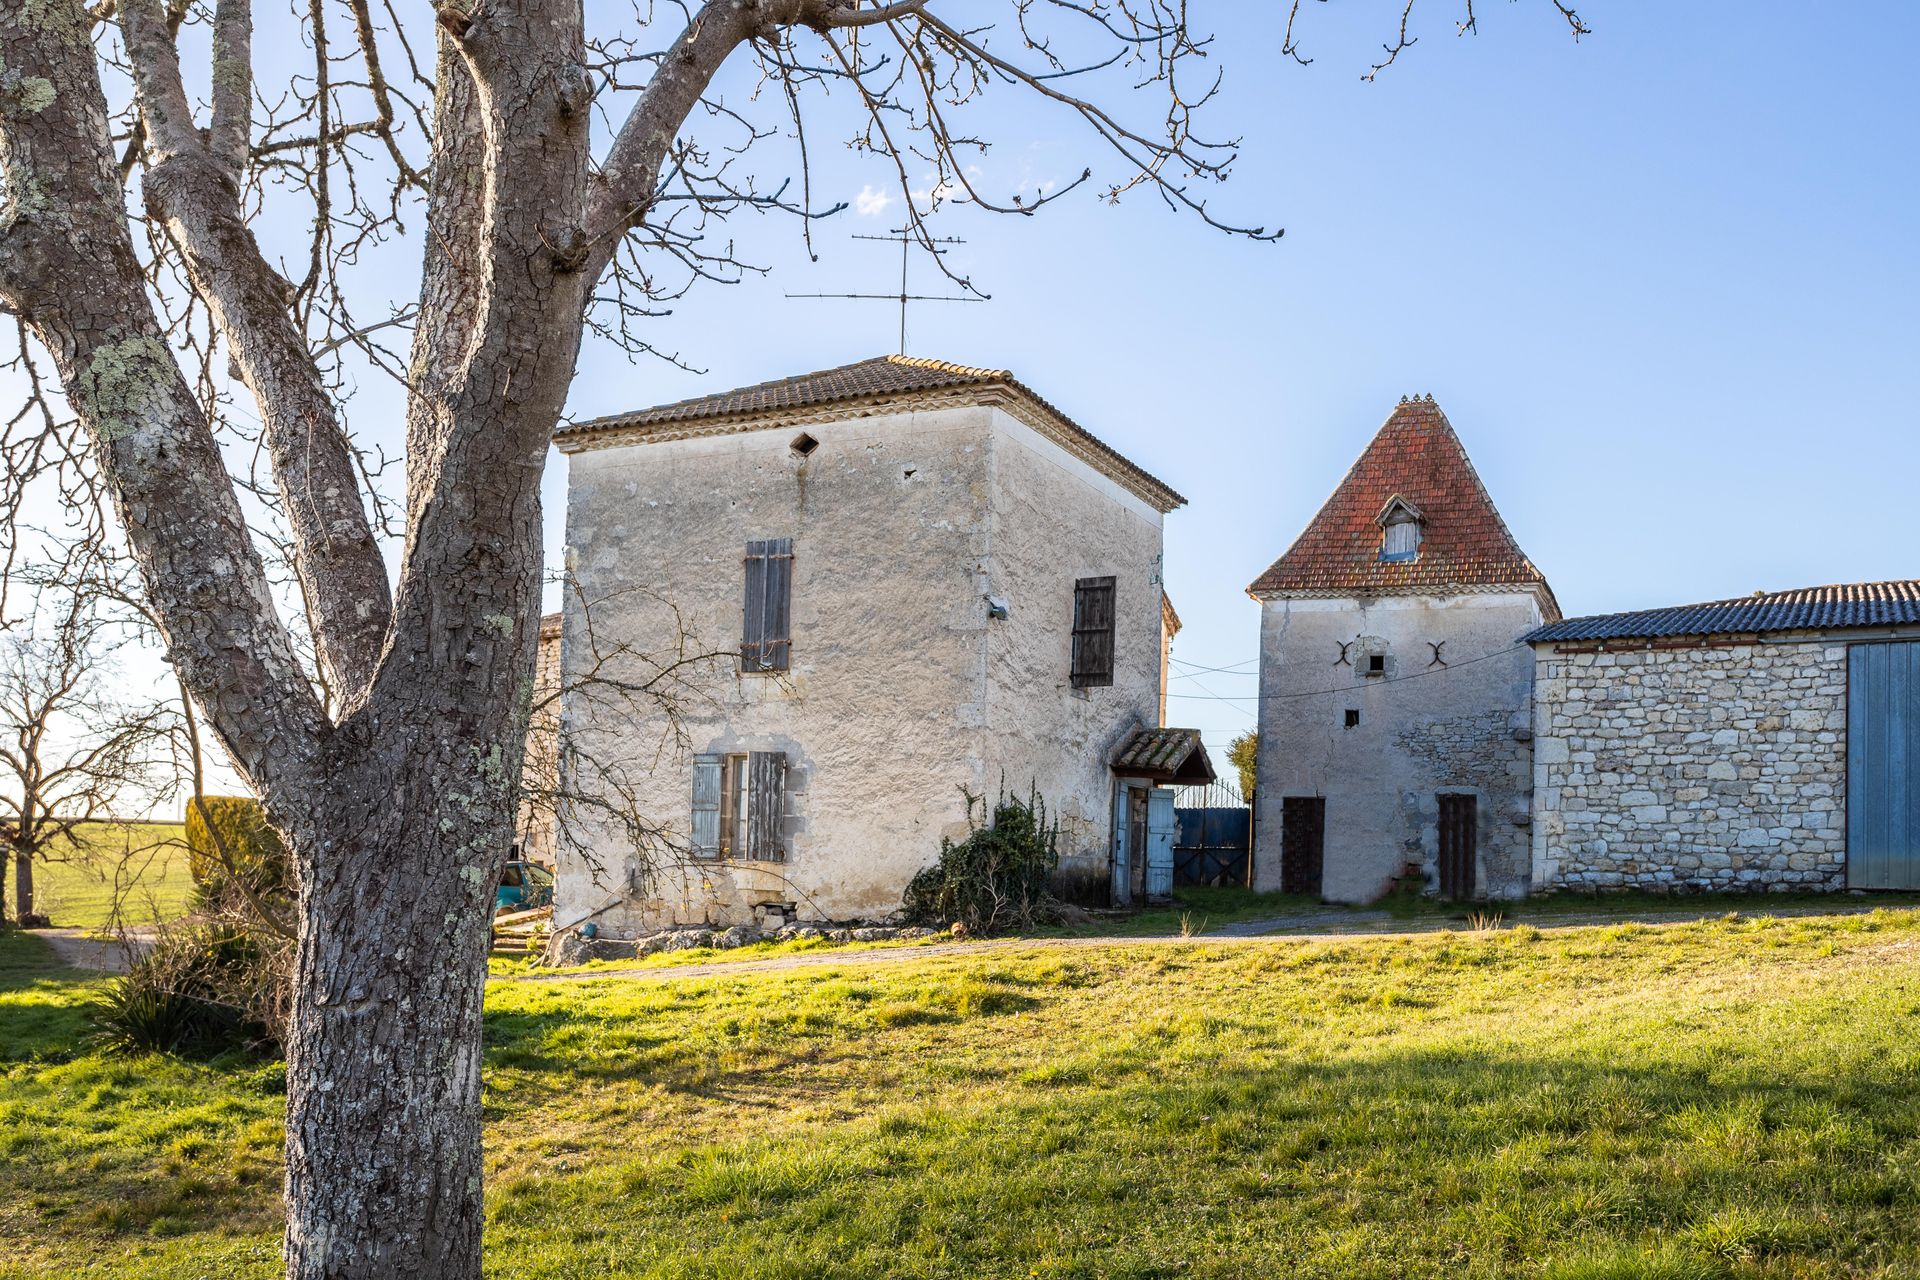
column 142, row 866
column 1735, row 1099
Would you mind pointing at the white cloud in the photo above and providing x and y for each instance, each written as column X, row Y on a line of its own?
column 871, row 203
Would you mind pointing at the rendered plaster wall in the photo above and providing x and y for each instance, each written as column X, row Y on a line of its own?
column 1692, row 768
column 534, row 829
column 901, row 692
column 1054, row 520
column 1459, row 725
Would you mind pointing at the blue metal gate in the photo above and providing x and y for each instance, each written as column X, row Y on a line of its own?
column 1883, row 766
column 1213, row 836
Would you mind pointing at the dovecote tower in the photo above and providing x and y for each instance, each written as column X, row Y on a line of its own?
column 1395, row 694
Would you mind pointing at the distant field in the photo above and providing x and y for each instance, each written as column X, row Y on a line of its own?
column 141, row 865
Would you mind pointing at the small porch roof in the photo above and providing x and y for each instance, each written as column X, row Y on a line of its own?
column 1173, row 756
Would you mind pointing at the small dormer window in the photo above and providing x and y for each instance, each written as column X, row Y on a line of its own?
column 1401, row 530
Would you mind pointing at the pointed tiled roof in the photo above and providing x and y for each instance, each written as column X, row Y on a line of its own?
column 1417, row 458
column 881, row 384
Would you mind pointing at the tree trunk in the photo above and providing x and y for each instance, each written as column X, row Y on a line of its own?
column 22, row 884
column 383, row 1055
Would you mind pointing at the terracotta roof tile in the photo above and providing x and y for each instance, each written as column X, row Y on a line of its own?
column 1849, row 604
column 876, row 381
column 1417, row 458
column 1166, row 754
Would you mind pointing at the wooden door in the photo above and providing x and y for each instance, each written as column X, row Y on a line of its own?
column 1160, row 823
column 1137, row 839
column 1123, row 852
column 1459, row 837
column 1303, row 829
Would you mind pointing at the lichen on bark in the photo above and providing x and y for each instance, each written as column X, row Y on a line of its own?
column 33, row 94
column 121, row 381
column 64, row 19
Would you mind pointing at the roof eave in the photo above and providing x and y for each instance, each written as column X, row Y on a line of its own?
column 614, row 429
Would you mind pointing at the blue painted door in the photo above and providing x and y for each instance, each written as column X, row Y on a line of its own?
column 1160, row 825
column 1122, row 855
column 1883, row 766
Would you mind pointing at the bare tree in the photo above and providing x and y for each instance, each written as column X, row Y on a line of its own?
column 189, row 355
column 71, row 750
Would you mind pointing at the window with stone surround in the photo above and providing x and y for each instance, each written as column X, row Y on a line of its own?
column 765, row 644
column 1093, row 619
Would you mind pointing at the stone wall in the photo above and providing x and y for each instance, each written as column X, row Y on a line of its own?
column 1709, row 768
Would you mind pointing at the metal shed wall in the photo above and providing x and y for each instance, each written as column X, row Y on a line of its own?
column 1883, row 759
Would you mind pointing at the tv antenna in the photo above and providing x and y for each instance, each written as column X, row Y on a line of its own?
column 905, row 239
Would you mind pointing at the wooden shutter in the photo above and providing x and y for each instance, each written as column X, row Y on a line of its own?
column 753, row 626
column 766, row 806
column 777, row 642
column 706, row 805
column 1093, row 619
column 765, row 622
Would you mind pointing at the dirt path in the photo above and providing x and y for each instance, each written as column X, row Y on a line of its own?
column 85, row 949
column 1325, row 926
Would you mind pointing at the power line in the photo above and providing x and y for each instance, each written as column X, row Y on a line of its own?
column 1227, row 671
column 1322, row 693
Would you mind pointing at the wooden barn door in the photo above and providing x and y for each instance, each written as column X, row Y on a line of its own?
column 1459, row 833
column 1883, row 766
column 1303, row 831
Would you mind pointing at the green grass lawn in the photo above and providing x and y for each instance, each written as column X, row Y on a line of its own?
column 141, row 866
column 1732, row 1099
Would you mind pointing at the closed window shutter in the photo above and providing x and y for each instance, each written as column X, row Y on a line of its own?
column 1093, row 625
column 706, row 805
column 777, row 642
column 764, row 642
column 1401, row 540
column 766, row 806
column 753, row 628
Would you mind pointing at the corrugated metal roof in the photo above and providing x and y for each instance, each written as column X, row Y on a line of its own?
column 876, row 379
column 1850, row 604
column 1417, row 459
column 1165, row 754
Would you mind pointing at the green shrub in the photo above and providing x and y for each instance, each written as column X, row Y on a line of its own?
column 229, row 838
column 996, row 878
column 206, row 989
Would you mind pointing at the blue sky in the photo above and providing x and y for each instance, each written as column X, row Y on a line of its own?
column 1660, row 280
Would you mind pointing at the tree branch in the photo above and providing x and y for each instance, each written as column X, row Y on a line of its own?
column 83, row 293
column 195, row 196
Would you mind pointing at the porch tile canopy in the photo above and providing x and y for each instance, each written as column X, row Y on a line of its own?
column 882, row 384
column 1165, row 755
column 1837, row 607
column 1417, row 458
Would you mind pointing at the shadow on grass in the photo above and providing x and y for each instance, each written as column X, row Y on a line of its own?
column 1440, row 1162
column 42, row 1014
column 617, row 1031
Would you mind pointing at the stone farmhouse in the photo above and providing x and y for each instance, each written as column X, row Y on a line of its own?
column 1428, row 719
column 849, row 597
column 1395, row 698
